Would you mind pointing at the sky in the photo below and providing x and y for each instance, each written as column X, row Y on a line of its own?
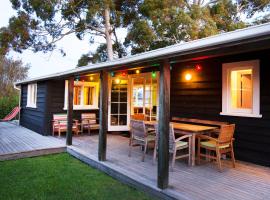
column 52, row 62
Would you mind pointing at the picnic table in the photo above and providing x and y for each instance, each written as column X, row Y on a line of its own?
column 185, row 128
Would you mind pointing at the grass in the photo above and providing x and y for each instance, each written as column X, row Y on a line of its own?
column 61, row 177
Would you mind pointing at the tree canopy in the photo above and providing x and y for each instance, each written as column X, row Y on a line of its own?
column 150, row 24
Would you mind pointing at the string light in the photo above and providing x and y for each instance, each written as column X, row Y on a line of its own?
column 188, row 76
column 112, row 74
column 198, row 67
column 137, row 71
column 117, row 81
column 154, row 74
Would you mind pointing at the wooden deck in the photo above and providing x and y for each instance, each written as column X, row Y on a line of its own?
column 245, row 182
column 19, row 142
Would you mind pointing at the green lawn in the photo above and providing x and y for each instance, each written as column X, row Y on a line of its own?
column 60, row 177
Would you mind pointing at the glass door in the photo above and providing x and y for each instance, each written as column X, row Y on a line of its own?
column 118, row 105
column 144, row 101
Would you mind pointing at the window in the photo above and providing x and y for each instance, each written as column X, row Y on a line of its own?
column 32, row 95
column 241, row 89
column 85, row 95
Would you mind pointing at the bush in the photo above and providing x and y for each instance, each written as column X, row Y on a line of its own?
column 7, row 104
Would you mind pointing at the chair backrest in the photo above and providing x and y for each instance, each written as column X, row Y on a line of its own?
column 90, row 117
column 226, row 133
column 61, row 118
column 171, row 136
column 137, row 128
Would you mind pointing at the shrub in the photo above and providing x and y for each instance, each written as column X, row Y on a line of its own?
column 7, row 104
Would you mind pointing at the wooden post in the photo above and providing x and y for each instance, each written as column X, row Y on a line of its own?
column 70, row 111
column 103, row 116
column 164, row 125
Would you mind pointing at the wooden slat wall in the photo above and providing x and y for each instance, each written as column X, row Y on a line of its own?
column 33, row 118
column 202, row 98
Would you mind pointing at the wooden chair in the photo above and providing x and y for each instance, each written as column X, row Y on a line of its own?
column 175, row 145
column 59, row 124
column 139, row 136
column 222, row 144
column 89, row 122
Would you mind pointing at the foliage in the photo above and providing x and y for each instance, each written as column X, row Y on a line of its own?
column 59, row 177
column 10, row 72
column 164, row 22
column 7, row 104
column 151, row 24
column 40, row 24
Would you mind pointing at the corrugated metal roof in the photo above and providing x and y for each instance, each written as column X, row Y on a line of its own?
column 228, row 37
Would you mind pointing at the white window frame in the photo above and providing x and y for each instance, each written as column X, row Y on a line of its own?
column 32, row 95
column 81, row 106
column 227, row 109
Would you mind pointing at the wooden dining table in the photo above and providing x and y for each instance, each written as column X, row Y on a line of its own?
column 185, row 128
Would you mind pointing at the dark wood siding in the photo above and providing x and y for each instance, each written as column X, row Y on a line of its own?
column 34, row 118
column 202, row 98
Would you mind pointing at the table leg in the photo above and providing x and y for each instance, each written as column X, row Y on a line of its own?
column 193, row 153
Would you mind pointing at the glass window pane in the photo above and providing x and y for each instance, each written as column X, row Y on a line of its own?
column 241, row 89
column 88, row 95
column 123, row 108
column 122, row 120
column 114, row 120
column 114, row 108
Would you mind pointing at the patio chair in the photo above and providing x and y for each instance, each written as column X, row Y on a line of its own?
column 59, row 124
column 222, row 144
column 175, row 145
column 11, row 115
column 139, row 136
column 89, row 122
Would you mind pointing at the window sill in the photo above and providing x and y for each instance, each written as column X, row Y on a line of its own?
column 241, row 115
column 33, row 107
column 83, row 108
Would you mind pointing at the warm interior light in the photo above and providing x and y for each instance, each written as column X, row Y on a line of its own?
column 188, row 76
column 91, row 78
column 137, row 71
column 117, row 81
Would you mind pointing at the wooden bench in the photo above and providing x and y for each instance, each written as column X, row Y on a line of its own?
column 89, row 122
column 59, row 124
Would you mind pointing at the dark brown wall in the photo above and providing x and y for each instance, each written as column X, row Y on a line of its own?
column 202, row 98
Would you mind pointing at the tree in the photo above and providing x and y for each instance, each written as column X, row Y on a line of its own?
column 11, row 71
column 165, row 22
column 40, row 24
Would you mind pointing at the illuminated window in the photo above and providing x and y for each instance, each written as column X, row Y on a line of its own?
column 32, row 95
column 85, row 95
column 241, row 89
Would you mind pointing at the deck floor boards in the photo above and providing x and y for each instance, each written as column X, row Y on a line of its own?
column 18, row 142
column 245, row 182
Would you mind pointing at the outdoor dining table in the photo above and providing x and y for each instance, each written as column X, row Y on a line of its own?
column 185, row 128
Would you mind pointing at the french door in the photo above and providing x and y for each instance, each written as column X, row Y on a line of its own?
column 119, row 109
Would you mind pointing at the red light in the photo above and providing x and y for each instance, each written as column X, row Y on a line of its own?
column 124, row 73
column 198, row 67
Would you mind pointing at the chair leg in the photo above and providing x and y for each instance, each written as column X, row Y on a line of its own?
column 218, row 159
column 155, row 153
column 199, row 151
column 144, row 152
column 173, row 158
column 232, row 157
column 130, row 146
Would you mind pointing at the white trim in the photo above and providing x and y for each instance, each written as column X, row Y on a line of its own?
column 223, row 38
column 31, row 95
column 227, row 68
column 83, row 107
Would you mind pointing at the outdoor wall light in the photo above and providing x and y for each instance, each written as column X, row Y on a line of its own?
column 137, row 71
column 188, row 76
column 117, row 81
column 91, row 78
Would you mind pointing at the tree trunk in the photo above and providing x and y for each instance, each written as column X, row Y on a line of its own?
column 108, row 33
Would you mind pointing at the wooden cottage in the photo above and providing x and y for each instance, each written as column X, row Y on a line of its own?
column 225, row 77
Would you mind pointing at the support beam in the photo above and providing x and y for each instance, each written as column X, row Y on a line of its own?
column 164, row 125
column 70, row 111
column 103, row 116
